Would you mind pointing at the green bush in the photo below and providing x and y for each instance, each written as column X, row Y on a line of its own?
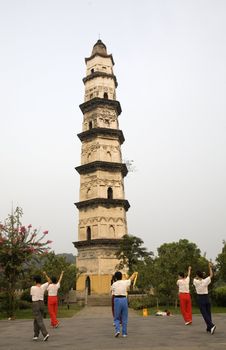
column 23, row 304
column 140, row 302
column 219, row 296
column 26, row 295
column 3, row 302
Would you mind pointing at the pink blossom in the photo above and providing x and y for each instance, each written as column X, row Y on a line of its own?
column 22, row 229
column 29, row 226
column 48, row 242
column 46, row 232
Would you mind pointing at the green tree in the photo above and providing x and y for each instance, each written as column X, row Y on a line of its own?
column 53, row 265
column 221, row 265
column 18, row 245
column 172, row 258
column 131, row 253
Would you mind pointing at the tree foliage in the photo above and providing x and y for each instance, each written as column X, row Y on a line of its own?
column 221, row 265
column 131, row 253
column 173, row 258
column 54, row 264
column 18, row 245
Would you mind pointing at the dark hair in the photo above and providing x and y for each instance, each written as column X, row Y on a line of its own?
column 199, row 274
column 181, row 274
column 37, row 279
column 54, row 279
column 118, row 275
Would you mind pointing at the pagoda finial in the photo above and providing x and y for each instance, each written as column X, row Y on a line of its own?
column 100, row 48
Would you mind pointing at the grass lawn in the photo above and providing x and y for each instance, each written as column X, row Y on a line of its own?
column 63, row 312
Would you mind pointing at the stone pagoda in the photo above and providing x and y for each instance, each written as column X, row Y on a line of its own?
column 102, row 205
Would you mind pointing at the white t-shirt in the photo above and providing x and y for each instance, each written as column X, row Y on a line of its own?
column 53, row 289
column 120, row 287
column 201, row 286
column 37, row 292
column 183, row 285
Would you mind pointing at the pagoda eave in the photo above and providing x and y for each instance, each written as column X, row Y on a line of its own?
column 104, row 202
column 101, row 165
column 94, row 132
column 114, row 242
column 100, row 102
column 102, row 75
column 101, row 55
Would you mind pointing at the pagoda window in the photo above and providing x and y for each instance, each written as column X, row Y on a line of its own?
column 109, row 156
column 105, row 95
column 90, row 125
column 110, row 193
column 88, row 233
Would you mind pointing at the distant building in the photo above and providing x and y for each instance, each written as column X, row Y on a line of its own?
column 102, row 205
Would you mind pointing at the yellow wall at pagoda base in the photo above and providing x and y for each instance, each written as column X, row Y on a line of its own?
column 100, row 284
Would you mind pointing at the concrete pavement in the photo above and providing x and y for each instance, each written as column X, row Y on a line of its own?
column 92, row 329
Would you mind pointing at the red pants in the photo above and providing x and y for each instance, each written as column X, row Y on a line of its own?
column 185, row 306
column 53, row 308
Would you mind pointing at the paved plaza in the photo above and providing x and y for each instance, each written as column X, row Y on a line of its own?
column 92, row 329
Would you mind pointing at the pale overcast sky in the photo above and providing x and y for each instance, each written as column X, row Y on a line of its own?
column 170, row 63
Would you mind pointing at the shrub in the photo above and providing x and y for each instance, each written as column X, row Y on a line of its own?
column 142, row 301
column 26, row 295
column 219, row 296
column 23, row 304
column 3, row 301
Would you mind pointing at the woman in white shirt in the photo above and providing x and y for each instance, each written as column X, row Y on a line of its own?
column 201, row 286
column 53, row 299
column 184, row 296
column 119, row 290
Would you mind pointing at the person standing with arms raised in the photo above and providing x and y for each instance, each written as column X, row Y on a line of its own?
column 53, row 298
column 201, row 286
column 119, row 290
column 184, row 296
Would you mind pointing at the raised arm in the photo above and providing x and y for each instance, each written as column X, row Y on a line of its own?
column 189, row 271
column 133, row 276
column 47, row 277
column 211, row 269
column 61, row 276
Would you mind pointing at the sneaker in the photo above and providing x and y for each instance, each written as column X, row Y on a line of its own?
column 117, row 334
column 187, row 323
column 57, row 325
column 46, row 337
column 124, row 335
column 35, row 338
column 213, row 329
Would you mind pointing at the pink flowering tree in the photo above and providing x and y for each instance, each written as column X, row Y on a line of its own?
column 18, row 245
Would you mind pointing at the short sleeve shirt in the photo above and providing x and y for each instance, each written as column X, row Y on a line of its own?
column 201, row 286
column 37, row 292
column 120, row 287
column 183, row 285
column 53, row 289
